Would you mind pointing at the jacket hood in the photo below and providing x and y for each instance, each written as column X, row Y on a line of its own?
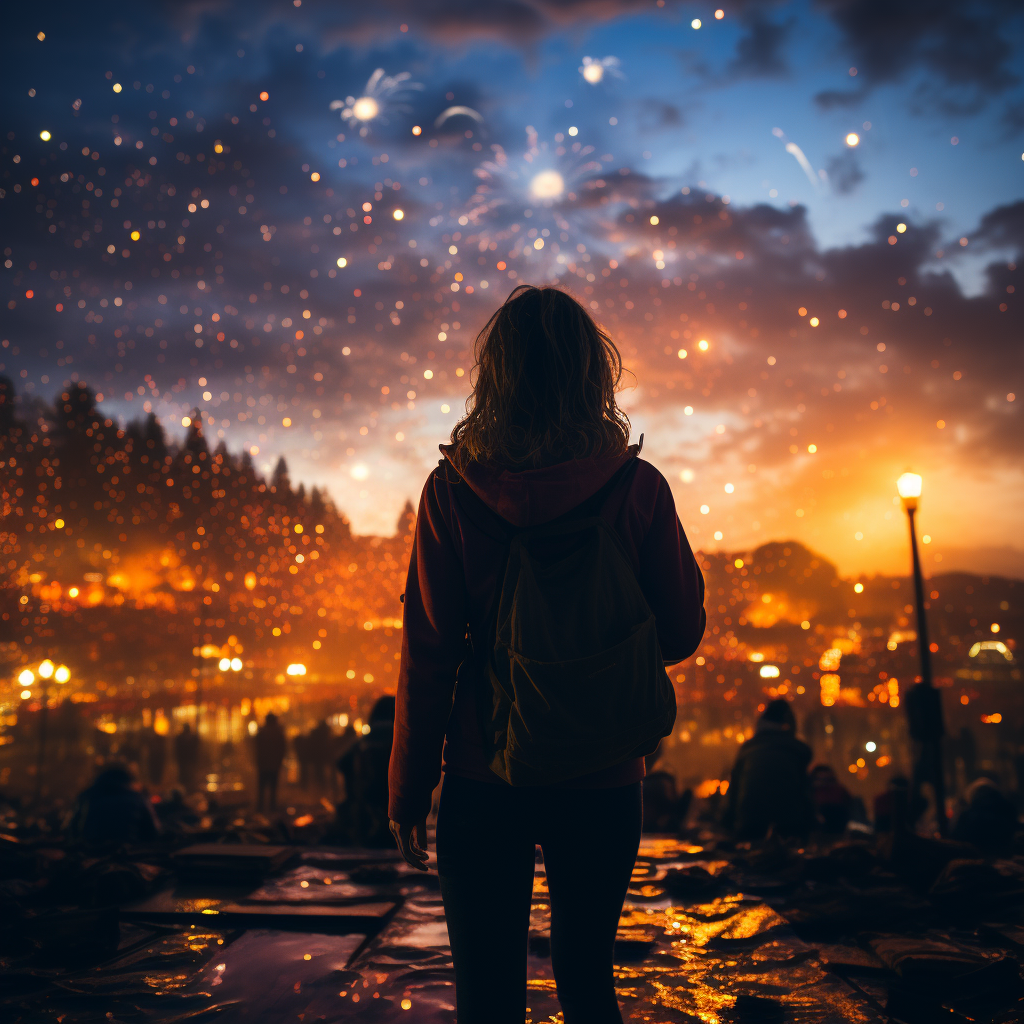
column 531, row 497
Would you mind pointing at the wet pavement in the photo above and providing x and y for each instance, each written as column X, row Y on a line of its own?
column 710, row 932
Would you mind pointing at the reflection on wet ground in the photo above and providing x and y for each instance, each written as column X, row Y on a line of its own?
column 789, row 944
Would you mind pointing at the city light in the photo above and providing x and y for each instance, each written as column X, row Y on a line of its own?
column 296, row 669
column 62, row 675
column 46, row 669
column 769, row 672
column 26, row 677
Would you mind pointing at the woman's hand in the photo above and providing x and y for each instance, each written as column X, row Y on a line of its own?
column 412, row 842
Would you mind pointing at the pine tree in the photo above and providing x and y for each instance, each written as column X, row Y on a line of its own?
column 407, row 519
column 195, row 442
column 279, row 481
column 7, row 414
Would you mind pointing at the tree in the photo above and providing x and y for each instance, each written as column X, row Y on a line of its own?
column 7, row 414
column 317, row 509
column 407, row 519
column 279, row 481
column 195, row 442
column 155, row 439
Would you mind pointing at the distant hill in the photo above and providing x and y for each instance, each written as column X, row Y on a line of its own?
column 124, row 552
column 121, row 554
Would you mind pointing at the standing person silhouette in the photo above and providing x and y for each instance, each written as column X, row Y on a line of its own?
column 186, row 753
column 270, row 750
column 540, row 467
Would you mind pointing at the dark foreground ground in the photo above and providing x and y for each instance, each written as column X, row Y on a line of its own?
column 275, row 925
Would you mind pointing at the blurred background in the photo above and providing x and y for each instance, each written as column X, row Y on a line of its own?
column 246, row 254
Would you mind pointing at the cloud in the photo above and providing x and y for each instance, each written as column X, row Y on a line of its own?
column 844, row 172
column 659, row 115
column 759, row 53
column 964, row 49
column 452, row 21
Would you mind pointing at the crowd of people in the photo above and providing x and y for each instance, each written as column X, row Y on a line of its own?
column 775, row 789
column 774, row 786
column 145, row 774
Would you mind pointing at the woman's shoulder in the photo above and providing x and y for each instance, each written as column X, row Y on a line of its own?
column 649, row 483
column 649, row 473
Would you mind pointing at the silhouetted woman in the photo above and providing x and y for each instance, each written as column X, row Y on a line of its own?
column 540, row 466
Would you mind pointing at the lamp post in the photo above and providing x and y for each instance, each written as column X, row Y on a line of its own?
column 45, row 670
column 923, row 705
column 909, row 486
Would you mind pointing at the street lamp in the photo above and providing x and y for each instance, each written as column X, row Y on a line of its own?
column 923, row 704
column 45, row 671
column 909, row 486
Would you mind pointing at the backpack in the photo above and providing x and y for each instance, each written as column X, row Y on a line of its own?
column 568, row 675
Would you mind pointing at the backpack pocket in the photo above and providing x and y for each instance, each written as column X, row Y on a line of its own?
column 571, row 718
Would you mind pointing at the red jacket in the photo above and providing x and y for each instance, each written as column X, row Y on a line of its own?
column 453, row 574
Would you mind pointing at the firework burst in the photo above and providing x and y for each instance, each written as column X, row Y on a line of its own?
column 536, row 201
column 594, row 69
column 544, row 187
column 383, row 94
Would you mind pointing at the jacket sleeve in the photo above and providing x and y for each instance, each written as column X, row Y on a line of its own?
column 433, row 646
column 671, row 580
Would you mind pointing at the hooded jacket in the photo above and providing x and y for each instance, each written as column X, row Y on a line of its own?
column 453, row 575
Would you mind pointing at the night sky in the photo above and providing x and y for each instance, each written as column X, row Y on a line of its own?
column 800, row 222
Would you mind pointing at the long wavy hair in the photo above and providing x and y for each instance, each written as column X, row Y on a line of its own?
column 543, row 386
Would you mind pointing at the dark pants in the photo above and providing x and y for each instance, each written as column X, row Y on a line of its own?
column 266, row 784
column 486, row 838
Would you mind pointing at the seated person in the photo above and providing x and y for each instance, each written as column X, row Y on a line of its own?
column 832, row 800
column 112, row 811
column 989, row 820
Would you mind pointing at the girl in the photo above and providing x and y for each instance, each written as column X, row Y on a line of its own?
column 542, row 437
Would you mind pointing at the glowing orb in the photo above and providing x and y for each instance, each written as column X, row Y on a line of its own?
column 547, row 185
column 359, row 471
column 44, row 135
column 852, row 139
column 593, row 73
column 398, row 214
column 365, row 108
